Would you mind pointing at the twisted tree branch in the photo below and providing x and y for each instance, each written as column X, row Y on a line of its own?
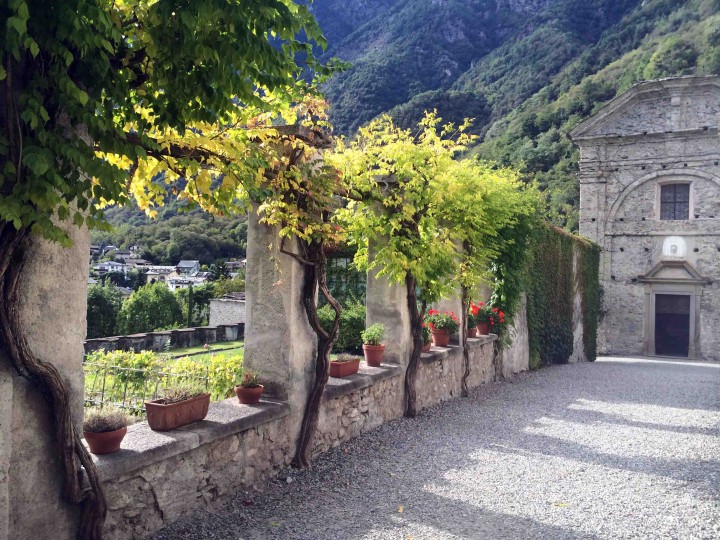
column 13, row 249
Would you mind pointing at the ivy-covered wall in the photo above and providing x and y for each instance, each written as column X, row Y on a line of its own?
column 560, row 267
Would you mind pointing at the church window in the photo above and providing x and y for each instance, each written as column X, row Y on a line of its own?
column 675, row 201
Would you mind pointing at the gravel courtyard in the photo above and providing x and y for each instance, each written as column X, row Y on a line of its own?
column 621, row 448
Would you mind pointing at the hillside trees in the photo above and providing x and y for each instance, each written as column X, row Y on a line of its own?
column 152, row 307
column 103, row 307
column 94, row 89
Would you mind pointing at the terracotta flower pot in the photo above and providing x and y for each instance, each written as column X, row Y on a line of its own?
column 249, row 396
column 472, row 332
column 483, row 328
column 343, row 369
column 426, row 347
column 373, row 354
column 164, row 417
column 440, row 337
column 106, row 442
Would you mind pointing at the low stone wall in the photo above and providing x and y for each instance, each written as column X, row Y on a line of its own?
column 159, row 477
column 160, row 341
column 227, row 311
column 441, row 370
column 353, row 405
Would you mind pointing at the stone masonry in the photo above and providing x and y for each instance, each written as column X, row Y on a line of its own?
column 159, row 477
column 657, row 134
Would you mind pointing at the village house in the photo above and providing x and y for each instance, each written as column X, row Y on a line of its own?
column 650, row 197
column 234, row 266
column 110, row 266
column 140, row 264
column 124, row 256
column 187, row 268
column 159, row 273
column 184, row 282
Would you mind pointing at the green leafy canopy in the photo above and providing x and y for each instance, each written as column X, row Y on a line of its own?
column 94, row 89
column 417, row 210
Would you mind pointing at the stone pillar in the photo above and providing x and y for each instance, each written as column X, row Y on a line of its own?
column 386, row 303
column 279, row 343
column 516, row 356
column 452, row 303
column 54, row 305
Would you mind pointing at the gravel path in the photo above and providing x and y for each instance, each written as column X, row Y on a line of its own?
column 622, row 448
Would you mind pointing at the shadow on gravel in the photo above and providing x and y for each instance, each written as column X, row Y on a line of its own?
column 473, row 468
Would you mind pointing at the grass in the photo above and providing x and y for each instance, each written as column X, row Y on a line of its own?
column 205, row 358
column 237, row 344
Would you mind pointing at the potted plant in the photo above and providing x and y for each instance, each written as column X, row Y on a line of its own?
column 248, row 388
column 473, row 318
column 104, row 429
column 373, row 349
column 180, row 405
column 442, row 326
column 344, row 365
column 427, row 337
column 490, row 319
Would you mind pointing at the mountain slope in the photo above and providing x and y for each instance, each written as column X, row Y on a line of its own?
column 526, row 71
column 401, row 49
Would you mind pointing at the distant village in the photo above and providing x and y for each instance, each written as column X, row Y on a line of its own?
column 184, row 274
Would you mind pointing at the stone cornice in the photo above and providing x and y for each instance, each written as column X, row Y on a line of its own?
column 637, row 93
column 658, row 136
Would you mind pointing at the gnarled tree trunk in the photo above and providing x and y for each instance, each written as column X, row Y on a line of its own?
column 465, row 302
column 416, row 317
column 74, row 457
column 315, row 264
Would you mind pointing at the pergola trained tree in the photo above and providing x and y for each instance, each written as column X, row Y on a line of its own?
column 423, row 218
column 486, row 211
column 299, row 197
column 181, row 95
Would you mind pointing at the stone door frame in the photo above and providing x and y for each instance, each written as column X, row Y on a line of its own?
column 692, row 286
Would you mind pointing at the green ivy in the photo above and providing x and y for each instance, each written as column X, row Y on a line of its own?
column 352, row 323
column 551, row 286
column 539, row 262
column 589, row 276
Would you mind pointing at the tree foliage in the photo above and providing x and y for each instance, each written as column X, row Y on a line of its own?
column 100, row 87
column 195, row 305
column 103, row 307
column 228, row 286
column 152, row 307
column 419, row 216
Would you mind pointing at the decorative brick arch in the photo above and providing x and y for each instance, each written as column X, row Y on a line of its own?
column 657, row 175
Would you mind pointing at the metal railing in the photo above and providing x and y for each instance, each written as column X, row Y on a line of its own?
column 130, row 388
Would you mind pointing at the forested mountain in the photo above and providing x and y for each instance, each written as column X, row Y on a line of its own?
column 526, row 70
column 176, row 235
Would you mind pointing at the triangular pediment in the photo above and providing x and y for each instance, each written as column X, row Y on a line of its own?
column 672, row 272
column 662, row 106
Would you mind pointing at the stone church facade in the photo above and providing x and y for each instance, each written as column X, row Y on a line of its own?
column 650, row 197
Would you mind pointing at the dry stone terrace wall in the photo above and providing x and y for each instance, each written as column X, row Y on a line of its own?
column 175, row 339
column 158, row 478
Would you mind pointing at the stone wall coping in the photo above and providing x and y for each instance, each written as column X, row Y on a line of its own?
column 366, row 376
column 440, row 353
column 143, row 447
